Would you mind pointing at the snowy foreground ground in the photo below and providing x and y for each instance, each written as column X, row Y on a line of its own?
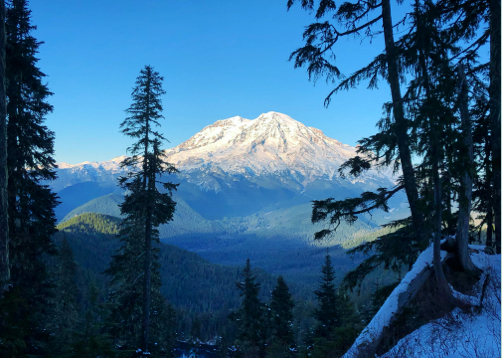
column 458, row 335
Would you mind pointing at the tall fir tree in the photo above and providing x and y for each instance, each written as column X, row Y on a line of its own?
column 281, row 336
column 250, row 317
column 30, row 161
column 144, row 208
column 327, row 311
column 338, row 324
column 4, row 221
column 495, row 104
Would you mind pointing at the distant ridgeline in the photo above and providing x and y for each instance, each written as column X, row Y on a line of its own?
column 239, row 176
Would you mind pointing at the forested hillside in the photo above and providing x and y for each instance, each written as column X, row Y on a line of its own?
column 279, row 242
column 194, row 286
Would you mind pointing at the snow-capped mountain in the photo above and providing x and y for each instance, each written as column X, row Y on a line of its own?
column 105, row 173
column 237, row 166
column 273, row 143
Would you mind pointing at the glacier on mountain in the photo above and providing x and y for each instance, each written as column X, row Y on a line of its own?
column 271, row 143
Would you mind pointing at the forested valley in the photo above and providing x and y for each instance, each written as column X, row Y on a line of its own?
column 97, row 285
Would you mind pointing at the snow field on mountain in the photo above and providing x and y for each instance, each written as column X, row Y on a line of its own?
column 271, row 143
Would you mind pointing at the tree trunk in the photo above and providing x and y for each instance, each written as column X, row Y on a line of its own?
column 436, row 158
column 147, row 282
column 465, row 195
column 402, row 136
column 494, row 91
column 4, row 216
column 488, row 194
column 450, row 222
column 489, row 227
column 442, row 283
column 148, row 228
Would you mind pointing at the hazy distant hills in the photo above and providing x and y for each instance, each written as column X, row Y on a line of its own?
column 106, row 204
column 73, row 196
column 245, row 187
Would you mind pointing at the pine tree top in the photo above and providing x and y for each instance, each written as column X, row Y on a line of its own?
column 145, row 111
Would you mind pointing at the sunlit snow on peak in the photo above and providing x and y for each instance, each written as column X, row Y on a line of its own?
column 272, row 142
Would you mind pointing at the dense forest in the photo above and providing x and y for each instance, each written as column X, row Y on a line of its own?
column 100, row 285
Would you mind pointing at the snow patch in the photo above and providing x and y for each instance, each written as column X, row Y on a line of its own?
column 383, row 317
column 460, row 335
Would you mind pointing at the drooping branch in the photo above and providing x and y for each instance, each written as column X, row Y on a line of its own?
column 371, row 72
column 348, row 209
column 355, row 165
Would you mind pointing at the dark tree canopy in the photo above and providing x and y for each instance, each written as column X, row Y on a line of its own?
column 145, row 207
column 250, row 316
column 31, row 203
column 281, row 310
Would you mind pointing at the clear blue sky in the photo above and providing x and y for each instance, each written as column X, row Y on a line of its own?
column 218, row 58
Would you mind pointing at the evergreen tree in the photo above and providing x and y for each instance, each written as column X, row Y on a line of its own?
column 126, row 295
column 281, row 321
column 30, row 203
column 495, row 94
column 90, row 340
column 327, row 311
column 250, row 316
column 432, row 101
column 338, row 324
column 144, row 208
column 4, row 222
column 440, row 36
column 222, row 350
column 65, row 312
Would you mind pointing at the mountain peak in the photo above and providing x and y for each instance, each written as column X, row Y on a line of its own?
column 273, row 142
column 271, row 129
column 276, row 116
